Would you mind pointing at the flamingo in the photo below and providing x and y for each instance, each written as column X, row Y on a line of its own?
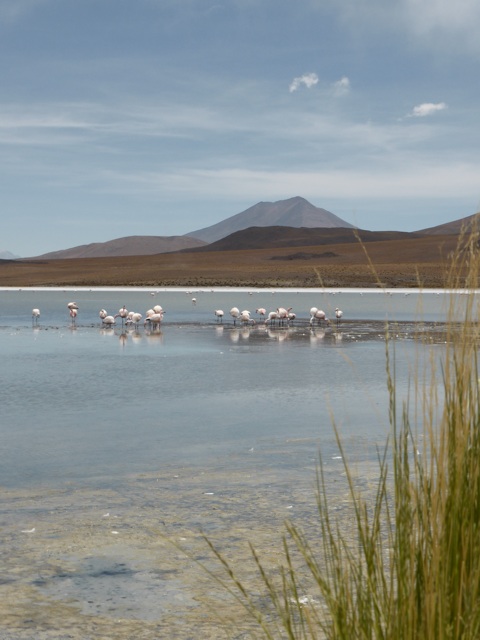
column 246, row 318
column 272, row 316
column 282, row 314
column 134, row 318
column 321, row 315
column 219, row 315
column 102, row 314
column 338, row 315
column 155, row 319
column 261, row 311
column 108, row 321
column 158, row 309
column 122, row 313
column 72, row 307
column 234, row 312
column 318, row 315
column 35, row 315
column 291, row 316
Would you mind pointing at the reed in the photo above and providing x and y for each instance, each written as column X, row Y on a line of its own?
column 411, row 568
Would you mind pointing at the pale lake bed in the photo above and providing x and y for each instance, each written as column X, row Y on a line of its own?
column 122, row 448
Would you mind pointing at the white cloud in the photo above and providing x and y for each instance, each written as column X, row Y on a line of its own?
column 308, row 79
column 444, row 180
column 341, row 87
column 427, row 109
column 53, row 123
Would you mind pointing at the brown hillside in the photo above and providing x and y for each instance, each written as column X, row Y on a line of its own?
column 127, row 246
column 398, row 263
column 280, row 236
column 462, row 225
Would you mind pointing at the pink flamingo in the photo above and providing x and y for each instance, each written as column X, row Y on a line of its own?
column 122, row 313
column 154, row 319
column 272, row 316
column 133, row 318
column 108, row 321
column 234, row 312
column 246, row 318
column 282, row 314
column 318, row 315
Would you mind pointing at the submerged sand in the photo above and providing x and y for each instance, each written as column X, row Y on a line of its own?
column 124, row 563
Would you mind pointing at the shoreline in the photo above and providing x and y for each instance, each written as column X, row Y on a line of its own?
column 246, row 289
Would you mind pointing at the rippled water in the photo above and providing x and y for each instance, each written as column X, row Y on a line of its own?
column 212, row 408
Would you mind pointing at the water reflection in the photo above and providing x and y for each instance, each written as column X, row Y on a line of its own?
column 301, row 331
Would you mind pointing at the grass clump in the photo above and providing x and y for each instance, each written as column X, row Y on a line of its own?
column 411, row 567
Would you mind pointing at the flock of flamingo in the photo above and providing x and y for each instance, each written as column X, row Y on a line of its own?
column 154, row 316
column 280, row 316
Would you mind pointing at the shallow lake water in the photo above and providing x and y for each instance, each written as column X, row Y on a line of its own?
column 117, row 441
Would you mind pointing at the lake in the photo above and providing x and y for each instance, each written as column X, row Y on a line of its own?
column 116, row 441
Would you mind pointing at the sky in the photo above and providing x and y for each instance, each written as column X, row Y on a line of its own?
column 160, row 117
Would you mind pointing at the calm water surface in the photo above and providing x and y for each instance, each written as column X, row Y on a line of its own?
column 95, row 421
column 87, row 403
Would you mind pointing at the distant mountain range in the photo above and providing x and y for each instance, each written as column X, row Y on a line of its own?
column 128, row 246
column 294, row 212
column 292, row 222
column 6, row 255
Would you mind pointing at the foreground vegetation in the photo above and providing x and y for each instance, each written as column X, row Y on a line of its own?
column 408, row 564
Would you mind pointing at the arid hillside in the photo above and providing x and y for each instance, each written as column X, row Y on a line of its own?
column 401, row 262
column 128, row 246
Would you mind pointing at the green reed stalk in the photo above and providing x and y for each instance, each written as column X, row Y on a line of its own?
column 412, row 568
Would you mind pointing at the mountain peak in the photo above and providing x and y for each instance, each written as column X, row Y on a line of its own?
column 293, row 212
column 8, row 255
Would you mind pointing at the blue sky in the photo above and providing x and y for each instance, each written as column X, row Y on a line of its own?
column 159, row 117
